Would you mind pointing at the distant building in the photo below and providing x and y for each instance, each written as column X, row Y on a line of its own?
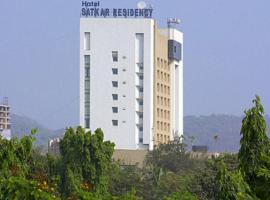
column 54, row 146
column 200, row 149
column 5, row 124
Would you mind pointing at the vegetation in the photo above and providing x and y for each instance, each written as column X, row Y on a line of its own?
column 85, row 169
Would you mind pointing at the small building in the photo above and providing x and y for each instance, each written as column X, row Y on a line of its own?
column 5, row 124
column 54, row 146
column 200, row 148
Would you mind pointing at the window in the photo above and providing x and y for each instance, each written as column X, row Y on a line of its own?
column 115, row 83
column 141, row 116
column 115, row 109
column 141, row 89
column 141, row 77
column 115, row 97
column 87, row 123
column 115, row 122
column 87, row 72
column 141, row 128
column 141, row 140
column 87, row 41
column 140, row 102
column 114, row 71
column 115, row 56
column 87, row 61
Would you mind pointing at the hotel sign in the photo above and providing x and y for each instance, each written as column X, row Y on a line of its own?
column 93, row 9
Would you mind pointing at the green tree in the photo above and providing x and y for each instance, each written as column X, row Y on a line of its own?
column 254, row 149
column 15, row 156
column 85, row 162
column 231, row 185
column 14, row 188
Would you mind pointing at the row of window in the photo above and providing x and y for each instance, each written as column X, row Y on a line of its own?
column 163, row 138
column 163, row 76
column 163, row 113
column 163, row 101
column 163, row 126
column 163, row 88
column 115, row 83
column 163, row 64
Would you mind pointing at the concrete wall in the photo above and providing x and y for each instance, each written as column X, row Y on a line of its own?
column 109, row 35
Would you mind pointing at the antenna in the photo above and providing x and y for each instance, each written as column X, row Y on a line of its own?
column 141, row 5
column 172, row 22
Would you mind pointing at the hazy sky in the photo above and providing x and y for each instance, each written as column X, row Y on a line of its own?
column 226, row 55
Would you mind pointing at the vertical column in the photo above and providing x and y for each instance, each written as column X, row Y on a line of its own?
column 139, row 79
column 87, row 91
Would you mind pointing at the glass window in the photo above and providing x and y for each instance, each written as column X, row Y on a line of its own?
column 141, row 116
column 115, row 122
column 141, row 77
column 115, row 83
column 115, row 109
column 141, row 128
column 141, row 140
column 115, row 56
column 87, row 72
column 87, row 41
column 115, row 71
column 87, row 123
column 141, row 89
column 141, row 102
column 87, row 61
column 115, row 97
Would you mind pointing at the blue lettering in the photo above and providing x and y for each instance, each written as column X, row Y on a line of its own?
column 83, row 11
column 119, row 12
column 96, row 12
column 115, row 12
column 136, row 12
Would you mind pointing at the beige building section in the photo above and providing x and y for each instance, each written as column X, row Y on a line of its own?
column 4, row 117
column 162, row 99
column 130, row 157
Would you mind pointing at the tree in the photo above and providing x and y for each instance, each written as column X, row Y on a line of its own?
column 231, row 185
column 255, row 149
column 23, row 189
column 85, row 162
column 15, row 156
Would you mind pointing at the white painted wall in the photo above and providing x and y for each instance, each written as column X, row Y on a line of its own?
column 177, row 86
column 109, row 35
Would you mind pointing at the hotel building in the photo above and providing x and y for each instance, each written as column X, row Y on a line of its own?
column 131, row 81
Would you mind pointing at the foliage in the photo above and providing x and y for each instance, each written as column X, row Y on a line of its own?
column 255, row 150
column 20, row 188
column 181, row 196
column 85, row 162
column 231, row 185
column 172, row 157
column 15, row 155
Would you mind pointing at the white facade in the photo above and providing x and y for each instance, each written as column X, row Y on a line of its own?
column 5, row 129
column 117, row 96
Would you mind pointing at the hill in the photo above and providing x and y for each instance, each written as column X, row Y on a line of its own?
column 202, row 128
column 225, row 127
column 22, row 125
